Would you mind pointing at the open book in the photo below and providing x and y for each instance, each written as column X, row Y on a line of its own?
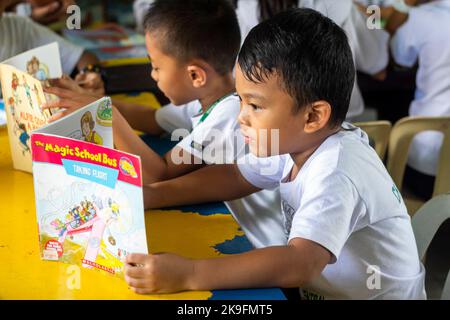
column 23, row 96
column 89, row 203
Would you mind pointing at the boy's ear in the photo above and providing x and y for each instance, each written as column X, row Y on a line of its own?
column 317, row 116
column 197, row 74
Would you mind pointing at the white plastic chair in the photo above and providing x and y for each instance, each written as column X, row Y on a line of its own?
column 426, row 223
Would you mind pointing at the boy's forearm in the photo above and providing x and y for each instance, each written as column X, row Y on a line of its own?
column 125, row 139
column 281, row 266
column 396, row 20
column 209, row 184
column 139, row 117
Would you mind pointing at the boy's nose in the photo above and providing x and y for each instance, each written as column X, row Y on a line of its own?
column 243, row 117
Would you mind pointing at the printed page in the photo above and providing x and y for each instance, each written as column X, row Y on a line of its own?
column 92, row 123
column 42, row 63
column 23, row 96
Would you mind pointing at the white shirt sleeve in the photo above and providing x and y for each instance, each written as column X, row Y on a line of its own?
column 329, row 212
column 34, row 35
column 370, row 45
column 213, row 140
column 171, row 117
column 140, row 9
column 247, row 12
column 263, row 173
column 403, row 45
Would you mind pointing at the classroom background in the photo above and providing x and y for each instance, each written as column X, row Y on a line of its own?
column 402, row 89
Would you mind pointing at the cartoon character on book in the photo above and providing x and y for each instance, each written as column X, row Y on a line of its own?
column 104, row 113
column 27, row 91
column 15, row 86
column 87, row 129
column 12, row 106
column 37, row 69
column 88, row 217
column 24, row 137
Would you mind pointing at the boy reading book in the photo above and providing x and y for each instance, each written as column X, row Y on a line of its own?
column 347, row 232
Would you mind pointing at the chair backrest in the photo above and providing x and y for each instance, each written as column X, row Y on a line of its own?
column 425, row 224
column 401, row 137
column 379, row 132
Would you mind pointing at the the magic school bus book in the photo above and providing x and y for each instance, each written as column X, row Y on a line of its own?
column 23, row 96
column 89, row 203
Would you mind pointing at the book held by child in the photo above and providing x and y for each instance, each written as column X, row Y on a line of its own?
column 89, row 202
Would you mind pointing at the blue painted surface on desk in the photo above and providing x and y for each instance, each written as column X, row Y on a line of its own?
column 238, row 244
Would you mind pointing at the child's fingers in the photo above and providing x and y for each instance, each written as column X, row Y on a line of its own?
column 134, row 271
column 59, row 92
column 141, row 290
column 135, row 283
column 63, row 83
column 61, row 103
column 80, row 77
column 136, row 258
column 58, row 116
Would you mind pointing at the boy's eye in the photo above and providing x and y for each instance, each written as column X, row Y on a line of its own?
column 255, row 107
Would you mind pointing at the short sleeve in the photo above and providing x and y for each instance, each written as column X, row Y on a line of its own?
column 263, row 173
column 171, row 117
column 403, row 44
column 217, row 139
column 37, row 35
column 330, row 210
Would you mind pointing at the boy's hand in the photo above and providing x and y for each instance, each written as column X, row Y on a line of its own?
column 158, row 273
column 46, row 13
column 92, row 82
column 70, row 100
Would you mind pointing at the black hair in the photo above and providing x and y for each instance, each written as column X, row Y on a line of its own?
column 269, row 8
column 311, row 55
column 197, row 29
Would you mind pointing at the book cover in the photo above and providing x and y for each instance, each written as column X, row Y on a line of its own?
column 89, row 203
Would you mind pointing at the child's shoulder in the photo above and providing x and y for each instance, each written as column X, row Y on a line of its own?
column 347, row 152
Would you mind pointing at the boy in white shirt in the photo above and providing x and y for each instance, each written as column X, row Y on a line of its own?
column 192, row 60
column 422, row 36
column 19, row 34
column 347, row 232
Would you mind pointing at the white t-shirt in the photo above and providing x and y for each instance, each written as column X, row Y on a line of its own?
column 424, row 38
column 19, row 34
column 344, row 199
column 369, row 47
column 259, row 214
column 380, row 3
column 140, row 8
